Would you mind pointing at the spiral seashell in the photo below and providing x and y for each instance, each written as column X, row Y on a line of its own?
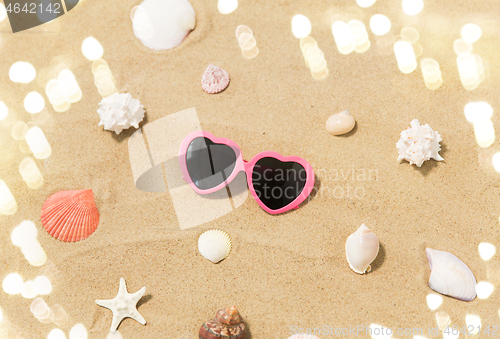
column 70, row 215
column 450, row 276
column 340, row 123
column 214, row 245
column 227, row 323
column 361, row 249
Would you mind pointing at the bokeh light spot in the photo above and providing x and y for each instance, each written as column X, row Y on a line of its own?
column 379, row 332
column 92, row 49
column 8, row 204
column 487, row 250
column 56, row 334
column 13, row 284
column 42, row 285
column 478, row 111
column 471, row 33
column 365, row 3
column 24, row 233
column 28, row 291
column 412, row 7
column 473, row 323
column 460, row 46
column 410, row 34
column 380, row 24
column 34, row 103
column 3, row 12
column 434, row 301
column 301, row 26
column 22, row 72
column 38, row 143
column 78, row 332
column 227, row 6
column 484, row 289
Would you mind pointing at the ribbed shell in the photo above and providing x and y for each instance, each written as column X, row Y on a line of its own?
column 450, row 276
column 214, row 245
column 214, row 79
column 70, row 215
column 361, row 249
column 227, row 323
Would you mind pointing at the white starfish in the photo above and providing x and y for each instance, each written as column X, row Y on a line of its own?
column 124, row 305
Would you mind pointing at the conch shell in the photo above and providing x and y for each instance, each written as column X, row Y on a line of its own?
column 419, row 143
column 450, row 276
column 227, row 323
column 120, row 111
column 361, row 249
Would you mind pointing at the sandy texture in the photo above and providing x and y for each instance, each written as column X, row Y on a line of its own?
column 283, row 270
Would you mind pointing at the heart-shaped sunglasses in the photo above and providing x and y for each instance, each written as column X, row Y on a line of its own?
column 277, row 183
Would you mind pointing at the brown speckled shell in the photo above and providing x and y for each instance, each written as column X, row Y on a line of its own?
column 227, row 324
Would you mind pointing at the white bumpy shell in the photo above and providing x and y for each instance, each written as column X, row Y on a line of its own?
column 361, row 249
column 419, row 143
column 163, row 24
column 450, row 276
column 214, row 245
column 120, row 111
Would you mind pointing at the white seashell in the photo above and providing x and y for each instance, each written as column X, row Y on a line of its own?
column 450, row 276
column 120, row 111
column 163, row 24
column 214, row 245
column 340, row 123
column 419, row 143
column 361, row 249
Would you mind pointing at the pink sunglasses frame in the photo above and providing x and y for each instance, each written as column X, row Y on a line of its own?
column 247, row 167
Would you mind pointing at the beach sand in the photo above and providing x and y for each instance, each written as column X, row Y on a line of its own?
column 284, row 270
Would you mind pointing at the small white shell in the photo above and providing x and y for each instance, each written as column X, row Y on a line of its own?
column 340, row 123
column 450, row 276
column 163, row 24
column 361, row 249
column 214, row 245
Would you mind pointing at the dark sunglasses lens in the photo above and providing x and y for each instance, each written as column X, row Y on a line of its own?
column 278, row 183
column 209, row 164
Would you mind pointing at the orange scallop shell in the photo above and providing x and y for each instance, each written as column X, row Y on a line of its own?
column 70, row 215
column 227, row 324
